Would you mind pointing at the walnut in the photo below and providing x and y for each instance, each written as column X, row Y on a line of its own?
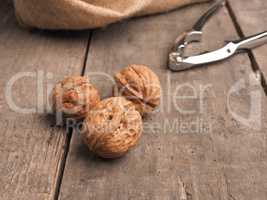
column 112, row 127
column 74, row 97
column 141, row 85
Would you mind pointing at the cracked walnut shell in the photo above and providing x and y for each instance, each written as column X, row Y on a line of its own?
column 112, row 127
column 141, row 85
column 74, row 97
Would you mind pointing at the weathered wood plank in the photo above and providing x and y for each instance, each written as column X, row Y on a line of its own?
column 252, row 18
column 203, row 158
column 31, row 149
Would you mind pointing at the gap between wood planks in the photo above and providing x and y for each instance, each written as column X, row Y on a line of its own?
column 70, row 132
column 254, row 64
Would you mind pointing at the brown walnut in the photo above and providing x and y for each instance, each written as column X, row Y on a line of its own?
column 74, row 97
column 141, row 85
column 112, row 127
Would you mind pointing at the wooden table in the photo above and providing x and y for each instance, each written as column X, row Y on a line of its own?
column 224, row 158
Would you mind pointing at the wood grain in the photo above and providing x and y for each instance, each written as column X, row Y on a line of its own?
column 252, row 18
column 212, row 162
column 31, row 150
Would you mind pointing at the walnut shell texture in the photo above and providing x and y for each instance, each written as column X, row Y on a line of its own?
column 74, row 97
column 112, row 127
column 141, row 85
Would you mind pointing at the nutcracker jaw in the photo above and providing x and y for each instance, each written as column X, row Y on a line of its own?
column 194, row 35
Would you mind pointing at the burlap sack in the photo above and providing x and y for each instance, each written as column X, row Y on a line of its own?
column 83, row 14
